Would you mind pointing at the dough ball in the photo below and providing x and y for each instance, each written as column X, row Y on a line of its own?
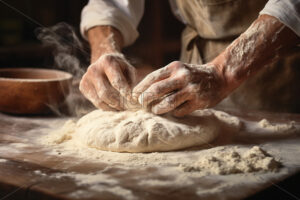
column 142, row 131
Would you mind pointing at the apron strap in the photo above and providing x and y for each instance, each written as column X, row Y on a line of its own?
column 189, row 50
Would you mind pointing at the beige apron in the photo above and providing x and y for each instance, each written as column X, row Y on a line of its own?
column 211, row 26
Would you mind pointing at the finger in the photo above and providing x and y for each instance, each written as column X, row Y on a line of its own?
column 171, row 102
column 160, row 89
column 88, row 90
column 150, row 79
column 100, row 104
column 104, row 106
column 185, row 108
column 117, row 80
column 106, row 92
column 131, row 75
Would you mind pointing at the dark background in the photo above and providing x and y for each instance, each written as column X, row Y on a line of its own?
column 158, row 44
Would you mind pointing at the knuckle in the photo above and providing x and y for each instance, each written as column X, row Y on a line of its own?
column 106, row 58
column 92, row 69
column 117, row 83
column 155, row 89
column 147, row 96
column 171, row 100
column 182, row 76
column 102, row 93
column 193, row 88
column 174, row 65
column 150, row 77
column 114, row 83
column 83, row 85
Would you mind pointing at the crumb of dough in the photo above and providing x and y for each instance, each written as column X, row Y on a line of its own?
column 278, row 128
column 233, row 162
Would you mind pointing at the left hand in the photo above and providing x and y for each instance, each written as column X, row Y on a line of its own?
column 181, row 88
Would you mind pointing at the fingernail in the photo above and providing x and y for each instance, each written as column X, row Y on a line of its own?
column 141, row 99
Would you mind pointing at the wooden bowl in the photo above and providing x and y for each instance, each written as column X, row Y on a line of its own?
column 32, row 91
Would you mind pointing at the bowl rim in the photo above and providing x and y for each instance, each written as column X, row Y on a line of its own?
column 63, row 75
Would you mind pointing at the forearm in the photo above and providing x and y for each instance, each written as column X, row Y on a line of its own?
column 104, row 39
column 261, row 44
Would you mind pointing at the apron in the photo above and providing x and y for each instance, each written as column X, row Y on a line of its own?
column 211, row 25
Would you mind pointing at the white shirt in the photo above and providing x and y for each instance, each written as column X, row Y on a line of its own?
column 286, row 11
column 125, row 15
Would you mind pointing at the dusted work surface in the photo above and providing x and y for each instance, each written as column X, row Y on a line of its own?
column 29, row 170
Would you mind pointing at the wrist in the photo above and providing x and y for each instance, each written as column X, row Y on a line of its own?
column 220, row 70
column 98, row 53
column 227, row 83
column 104, row 40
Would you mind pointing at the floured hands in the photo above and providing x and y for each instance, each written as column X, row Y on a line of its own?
column 181, row 88
column 108, row 81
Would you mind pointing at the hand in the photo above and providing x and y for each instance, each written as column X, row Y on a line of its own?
column 108, row 81
column 181, row 88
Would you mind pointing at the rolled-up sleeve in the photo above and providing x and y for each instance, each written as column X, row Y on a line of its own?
column 286, row 11
column 124, row 15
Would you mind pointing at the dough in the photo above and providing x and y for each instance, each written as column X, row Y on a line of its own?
column 142, row 131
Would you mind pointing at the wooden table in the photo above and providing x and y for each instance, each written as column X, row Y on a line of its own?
column 28, row 172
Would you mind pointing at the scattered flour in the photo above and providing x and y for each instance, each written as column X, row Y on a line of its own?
column 2, row 160
column 223, row 160
column 278, row 128
column 39, row 172
column 220, row 161
column 233, row 162
column 172, row 169
column 88, row 179
column 96, row 182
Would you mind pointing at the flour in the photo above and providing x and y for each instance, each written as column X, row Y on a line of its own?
column 284, row 128
column 161, row 171
column 3, row 160
column 39, row 172
column 241, row 52
column 88, row 179
column 159, row 175
column 233, row 162
column 218, row 160
column 142, row 131
column 96, row 182
column 195, row 164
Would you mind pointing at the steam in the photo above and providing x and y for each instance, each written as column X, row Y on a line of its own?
column 69, row 52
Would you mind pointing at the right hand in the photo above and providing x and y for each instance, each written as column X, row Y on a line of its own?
column 108, row 81
column 181, row 88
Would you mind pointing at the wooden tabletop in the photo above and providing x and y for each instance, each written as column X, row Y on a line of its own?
column 27, row 171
